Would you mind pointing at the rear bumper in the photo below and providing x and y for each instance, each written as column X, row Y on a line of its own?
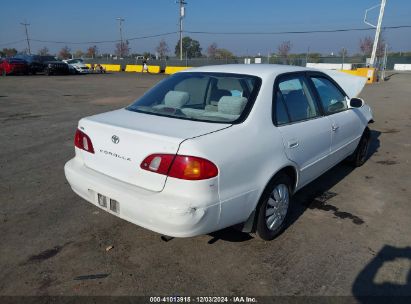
column 164, row 212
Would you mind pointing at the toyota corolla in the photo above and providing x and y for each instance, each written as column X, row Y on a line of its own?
column 218, row 146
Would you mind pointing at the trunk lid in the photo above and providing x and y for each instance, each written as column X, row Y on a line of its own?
column 122, row 139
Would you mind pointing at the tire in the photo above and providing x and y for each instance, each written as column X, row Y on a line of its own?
column 360, row 154
column 276, row 199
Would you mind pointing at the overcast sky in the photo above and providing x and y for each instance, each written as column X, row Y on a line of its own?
column 92, row 20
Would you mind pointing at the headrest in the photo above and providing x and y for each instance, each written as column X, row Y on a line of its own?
column 233, row 105
column 176, row 99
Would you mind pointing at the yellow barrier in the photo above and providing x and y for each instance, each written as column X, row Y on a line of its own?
column 369, row 73
column 153, row 69
column 174, row 69
column 134, row 68
column 112, row 67
column 108, row 67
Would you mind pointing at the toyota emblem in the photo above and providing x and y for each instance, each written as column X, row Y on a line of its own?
column 115, row 139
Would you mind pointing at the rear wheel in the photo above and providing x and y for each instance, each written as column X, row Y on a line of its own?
column 274, row 206
column 359, row 156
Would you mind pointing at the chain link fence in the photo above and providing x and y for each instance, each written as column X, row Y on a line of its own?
column 356, row 61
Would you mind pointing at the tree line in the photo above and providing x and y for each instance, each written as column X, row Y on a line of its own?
column 193, row 49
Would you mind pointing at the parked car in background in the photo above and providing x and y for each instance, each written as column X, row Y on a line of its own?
column 13, row 66
column 78, row 65
column 217, row 146
column 34, row 62
column 44, row 64
column 52, row 66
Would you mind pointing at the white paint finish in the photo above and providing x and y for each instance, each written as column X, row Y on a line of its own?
column 78, row 65
column 163, row 212
column 329, row 66
column 307, row 143
column 351, row 84
column 247, row 155
column 139, row 136
column 402, row 67
column 346, row 131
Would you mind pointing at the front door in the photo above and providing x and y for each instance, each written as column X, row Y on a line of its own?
column 345, row 124
column 306, row 133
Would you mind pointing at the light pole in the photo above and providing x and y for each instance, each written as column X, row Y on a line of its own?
column 182, row 14
column 378, row 28
column 25, row 24
column 121, row 35
column 343, row 51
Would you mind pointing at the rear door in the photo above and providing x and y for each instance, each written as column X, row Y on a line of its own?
column 345, row 123
column 305, row 131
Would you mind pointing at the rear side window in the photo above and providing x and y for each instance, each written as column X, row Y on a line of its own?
column 332, row 99
column 294, row 101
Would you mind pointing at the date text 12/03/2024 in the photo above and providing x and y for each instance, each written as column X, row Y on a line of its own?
column 203, row 299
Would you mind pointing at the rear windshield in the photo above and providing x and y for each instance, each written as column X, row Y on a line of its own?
column 211, row 97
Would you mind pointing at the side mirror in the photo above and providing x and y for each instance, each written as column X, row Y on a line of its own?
column 356, row 103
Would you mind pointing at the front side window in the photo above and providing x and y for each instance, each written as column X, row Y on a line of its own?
column 332, row 99
column 294, row 101
column 211, row 97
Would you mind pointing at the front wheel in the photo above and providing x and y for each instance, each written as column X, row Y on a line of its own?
column 274, row 206
column 360, row 154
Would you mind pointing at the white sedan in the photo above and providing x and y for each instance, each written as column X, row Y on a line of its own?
column 78, row 65
column 217, row 146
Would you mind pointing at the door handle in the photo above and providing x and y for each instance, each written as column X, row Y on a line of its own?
column 292, row 144
column 335, row 127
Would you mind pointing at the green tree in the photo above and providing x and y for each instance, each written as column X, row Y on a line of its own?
column 191, row 48
column 314, row 57
column 224, row 54
column 8, row 52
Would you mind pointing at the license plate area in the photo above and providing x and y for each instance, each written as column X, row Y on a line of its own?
column 108, row 203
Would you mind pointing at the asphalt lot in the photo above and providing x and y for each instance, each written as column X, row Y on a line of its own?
column 351, row 230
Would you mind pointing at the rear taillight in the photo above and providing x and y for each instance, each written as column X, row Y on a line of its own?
column 83, row 142
column 180, row 166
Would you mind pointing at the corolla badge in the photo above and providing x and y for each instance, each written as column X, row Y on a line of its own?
column 115, row 139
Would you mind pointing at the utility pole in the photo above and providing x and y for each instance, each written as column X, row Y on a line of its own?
column 182, row 14
column 343, row 57
column 378, row 29
column 121, row 35
column 384, row 64
column 25, row 24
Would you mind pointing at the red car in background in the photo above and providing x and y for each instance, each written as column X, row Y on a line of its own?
column 13, row 66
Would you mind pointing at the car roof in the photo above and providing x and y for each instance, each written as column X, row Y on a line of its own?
column 250, row 69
